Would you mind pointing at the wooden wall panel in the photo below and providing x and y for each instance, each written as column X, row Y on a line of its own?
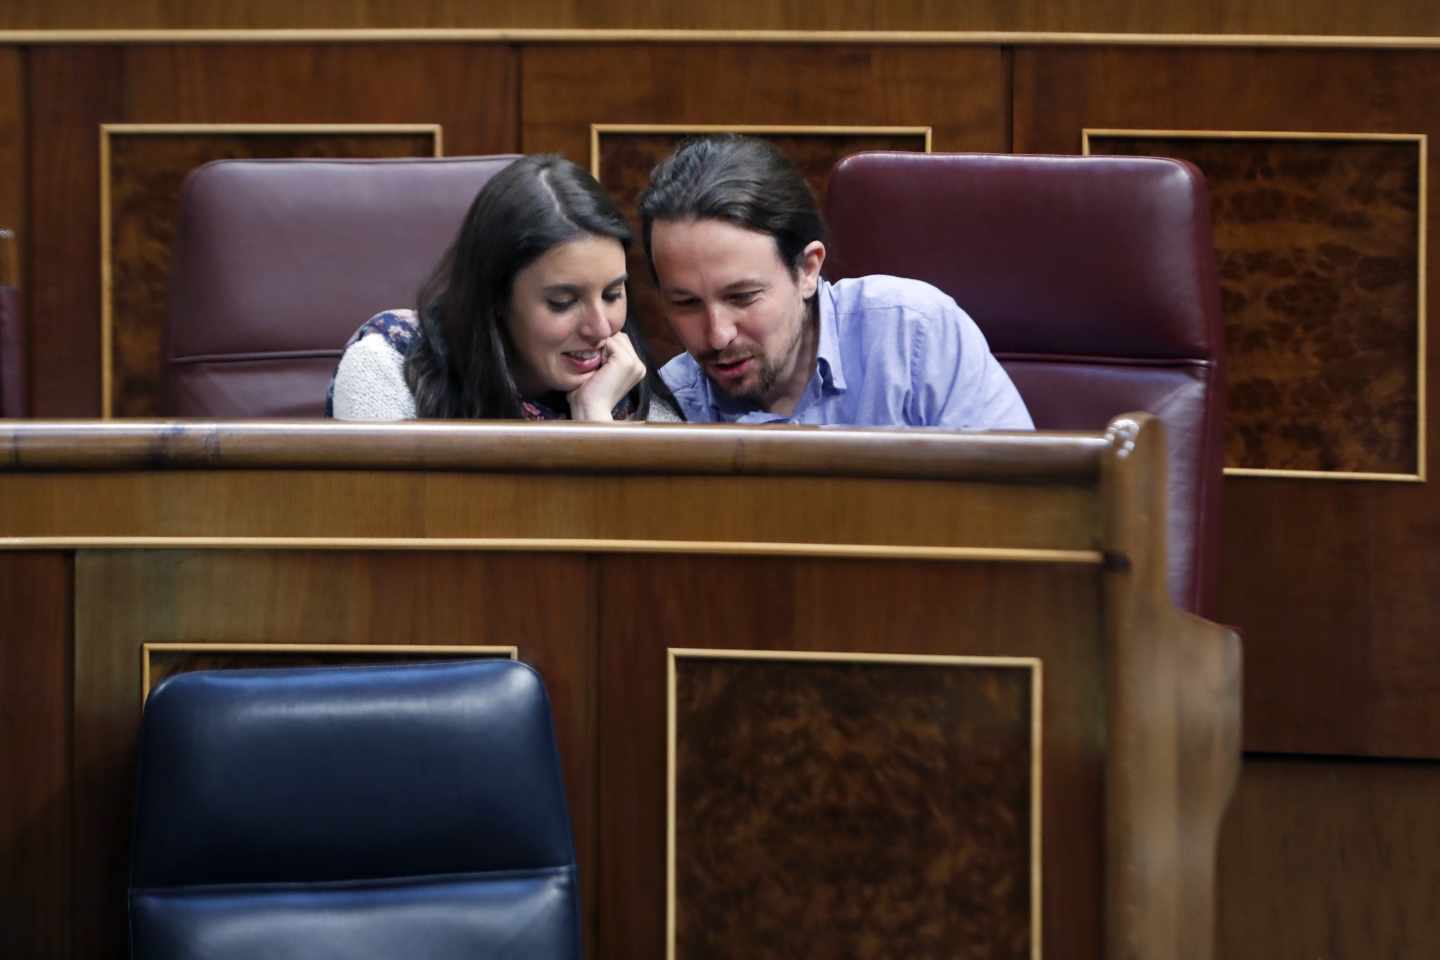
column 1330, row 859
column 1317, row 247
column 1321, row 577
column 126, row 599
column 35, row 917
column 1382, row 17
column 902, row 792
column 13, row 186
column 71, row 90
column 470, row 90
column 930, row 608
column 958, row 91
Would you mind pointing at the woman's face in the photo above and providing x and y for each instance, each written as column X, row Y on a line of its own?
column 563, row 306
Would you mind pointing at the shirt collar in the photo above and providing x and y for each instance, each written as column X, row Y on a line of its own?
column 827, row 353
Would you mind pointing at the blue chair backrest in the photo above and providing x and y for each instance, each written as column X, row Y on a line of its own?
column 414, row 810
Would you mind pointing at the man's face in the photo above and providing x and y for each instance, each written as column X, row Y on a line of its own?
column 737, row 308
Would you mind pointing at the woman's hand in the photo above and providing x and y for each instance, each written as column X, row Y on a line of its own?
column 619, row 372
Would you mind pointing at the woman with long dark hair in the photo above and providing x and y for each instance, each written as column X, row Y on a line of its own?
column 525, row 317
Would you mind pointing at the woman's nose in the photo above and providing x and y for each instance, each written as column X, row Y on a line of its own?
column 598, row 321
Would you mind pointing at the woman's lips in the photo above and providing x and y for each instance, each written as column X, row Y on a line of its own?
column 583, row 361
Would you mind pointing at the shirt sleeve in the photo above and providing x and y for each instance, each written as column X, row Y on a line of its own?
column 957, row 382
column 370, row 383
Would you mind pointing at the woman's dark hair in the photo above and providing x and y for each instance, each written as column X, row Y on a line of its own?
column 740, row 180
column 461, row 364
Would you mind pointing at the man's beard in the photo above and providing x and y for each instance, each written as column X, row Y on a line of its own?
column 766, row 378
column 771, row 369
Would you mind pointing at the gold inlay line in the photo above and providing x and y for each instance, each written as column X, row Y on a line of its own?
column 523, row 35
column 566, row 545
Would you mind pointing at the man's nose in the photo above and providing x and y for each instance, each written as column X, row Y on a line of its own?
column 719, row 327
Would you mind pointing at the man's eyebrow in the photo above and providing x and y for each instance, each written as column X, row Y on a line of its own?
column 744, row 282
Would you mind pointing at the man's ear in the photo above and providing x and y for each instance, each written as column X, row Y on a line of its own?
column 812, row 258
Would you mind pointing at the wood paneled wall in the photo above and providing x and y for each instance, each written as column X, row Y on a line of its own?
column 12, row 141
column 1381, row 17
column 471, row 91
column 1327, row 858
column 1331, row 582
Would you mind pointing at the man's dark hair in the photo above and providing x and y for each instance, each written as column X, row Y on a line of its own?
column 740, row 180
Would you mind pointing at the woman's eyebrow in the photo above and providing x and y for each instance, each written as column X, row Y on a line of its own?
column 577, row 288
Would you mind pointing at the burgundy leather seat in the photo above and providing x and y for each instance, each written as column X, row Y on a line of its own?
column 12, row 333
column 1093, row 279
column 278, row 261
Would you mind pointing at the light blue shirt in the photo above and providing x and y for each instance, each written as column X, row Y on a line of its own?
column 892, row 352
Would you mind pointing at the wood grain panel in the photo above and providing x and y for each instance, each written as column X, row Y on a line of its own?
column 145, row 173
column 469, row 89
column 301, row 503
column 1329, row 858
column 959, row 92
column 126, row 599
column 1058, row 92
column 1317, row 248
column 1381, row 17
column 1321, row 578
column 71, row 91
column 13, row 179
column 35, row 917
column 843, row 606
column 900, row 792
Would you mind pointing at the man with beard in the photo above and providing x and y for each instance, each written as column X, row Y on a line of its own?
column 736, row 243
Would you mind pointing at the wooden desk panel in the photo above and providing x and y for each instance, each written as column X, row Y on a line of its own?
column 593, row 550
column 127, row 598
column 35, row 787
column 850, row 606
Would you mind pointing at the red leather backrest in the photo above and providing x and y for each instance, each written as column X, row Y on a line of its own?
column 278, row 261
column 1093, row 279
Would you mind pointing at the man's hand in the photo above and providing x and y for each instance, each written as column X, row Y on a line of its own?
column 619, row 372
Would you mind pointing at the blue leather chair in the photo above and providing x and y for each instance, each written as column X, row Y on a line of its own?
column 395, row 811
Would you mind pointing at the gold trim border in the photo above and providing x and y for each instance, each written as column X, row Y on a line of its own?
column 749, row 548
column 1034, row 664
column 535, row 35
column 108, row 130
column 794, row 130
column 1422, row 212
column 447, row 649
